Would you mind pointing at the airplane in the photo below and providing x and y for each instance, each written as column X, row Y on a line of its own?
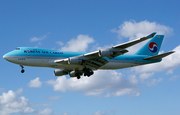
column 77, row 64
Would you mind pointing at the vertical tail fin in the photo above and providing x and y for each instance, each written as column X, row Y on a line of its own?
column 152, row 47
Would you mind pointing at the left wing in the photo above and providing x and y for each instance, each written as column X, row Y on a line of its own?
column 95, row 60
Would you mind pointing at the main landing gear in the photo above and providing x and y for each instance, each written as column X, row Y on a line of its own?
column 87, row 72
column 22, row 70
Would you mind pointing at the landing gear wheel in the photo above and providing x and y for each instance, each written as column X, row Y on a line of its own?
column 78, row 77
column 22, row 71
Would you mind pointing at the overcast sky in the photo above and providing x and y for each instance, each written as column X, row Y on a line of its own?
column 85, row 26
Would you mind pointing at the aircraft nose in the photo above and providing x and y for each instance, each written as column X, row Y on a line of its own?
column 5, row 57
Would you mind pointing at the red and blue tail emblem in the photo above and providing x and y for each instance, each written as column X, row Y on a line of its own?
column 153, row 47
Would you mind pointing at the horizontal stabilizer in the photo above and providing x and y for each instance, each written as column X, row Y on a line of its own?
column 160, row 56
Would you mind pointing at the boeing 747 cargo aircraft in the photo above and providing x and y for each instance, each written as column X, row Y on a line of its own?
column 77, row 64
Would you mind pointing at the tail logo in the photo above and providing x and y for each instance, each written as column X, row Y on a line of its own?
column 153, row 47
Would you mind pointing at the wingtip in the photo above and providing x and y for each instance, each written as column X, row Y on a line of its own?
column 172, row 51
column 151, row 35
column 154, row 34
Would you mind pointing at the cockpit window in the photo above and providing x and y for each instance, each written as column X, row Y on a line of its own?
column 17, row 49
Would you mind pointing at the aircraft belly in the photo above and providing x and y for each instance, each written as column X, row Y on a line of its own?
column 69, row 67
column 35, row 62
column 118, row 65
column 29, row 61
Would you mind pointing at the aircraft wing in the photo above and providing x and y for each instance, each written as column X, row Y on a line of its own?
column 95, row 60
column 131, row 43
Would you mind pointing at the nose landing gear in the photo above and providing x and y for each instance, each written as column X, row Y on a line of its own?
column 22, row 70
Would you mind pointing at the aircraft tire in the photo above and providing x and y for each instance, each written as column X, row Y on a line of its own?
column 78, row 77
column 22, row 71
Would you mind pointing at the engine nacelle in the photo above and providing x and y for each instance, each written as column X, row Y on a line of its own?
column 75, row 73
column 74, row 60
column 60, row 72
column 105, row 53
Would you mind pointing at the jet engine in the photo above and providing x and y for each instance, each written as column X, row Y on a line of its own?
column 74, row 60
column 111, row 53
column 105, row 53
column 60, row 72
column 75, row 73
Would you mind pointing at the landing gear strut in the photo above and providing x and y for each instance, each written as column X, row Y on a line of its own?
column 22, row 70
